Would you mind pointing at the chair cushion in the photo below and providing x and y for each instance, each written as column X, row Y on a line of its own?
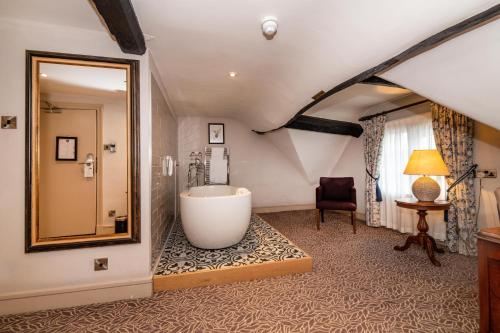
column 337, row 188
column 336, row 205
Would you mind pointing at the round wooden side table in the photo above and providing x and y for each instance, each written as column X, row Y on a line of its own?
column 423, row 238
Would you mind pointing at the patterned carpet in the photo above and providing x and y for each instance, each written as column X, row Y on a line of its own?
column 359, row 284
column 261, row 243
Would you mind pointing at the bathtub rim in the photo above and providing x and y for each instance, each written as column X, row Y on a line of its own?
column 185, row 194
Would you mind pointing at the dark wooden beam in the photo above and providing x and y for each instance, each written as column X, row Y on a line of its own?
column 323, row 125
column 392, row 110
column 425, row 45
column 378, row 81
column 318, row 94
column 119, row 16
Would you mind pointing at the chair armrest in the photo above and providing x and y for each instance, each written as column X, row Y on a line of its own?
column 319, row 193
column 353, row 195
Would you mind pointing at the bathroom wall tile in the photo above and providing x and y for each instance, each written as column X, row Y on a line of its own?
column 163, row 191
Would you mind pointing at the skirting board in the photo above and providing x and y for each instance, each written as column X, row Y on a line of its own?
column 275, row 209
column 231, row 274
column 286, row 208
column 68, row 297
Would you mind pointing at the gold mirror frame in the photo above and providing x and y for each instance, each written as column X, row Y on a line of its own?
column 32, row 241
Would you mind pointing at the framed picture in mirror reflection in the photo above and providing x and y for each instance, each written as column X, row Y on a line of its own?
column 66, row 148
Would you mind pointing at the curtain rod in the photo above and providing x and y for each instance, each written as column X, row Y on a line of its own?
column 391, row 110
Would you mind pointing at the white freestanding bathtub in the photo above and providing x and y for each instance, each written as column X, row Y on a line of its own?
column 215, row 216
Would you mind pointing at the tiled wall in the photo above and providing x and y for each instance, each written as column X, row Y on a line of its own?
column 163, row 188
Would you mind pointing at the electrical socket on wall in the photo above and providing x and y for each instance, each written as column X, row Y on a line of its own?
column 486, row 173
column 9, row 122
column 101, row 264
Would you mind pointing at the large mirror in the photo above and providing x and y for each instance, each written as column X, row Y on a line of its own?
column 82, row 156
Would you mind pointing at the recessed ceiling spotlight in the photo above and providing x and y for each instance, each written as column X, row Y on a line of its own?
column 233, row 74
column 43, row 75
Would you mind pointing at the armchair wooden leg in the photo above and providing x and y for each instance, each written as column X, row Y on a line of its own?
column 318, row 220
column 353, row 222
column 322, row 211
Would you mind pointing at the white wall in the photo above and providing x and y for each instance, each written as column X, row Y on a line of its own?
column 487, row 152
column 23, row 273
column 271, row 175
column 487, row 156
column 114, row 170
column 255, row 163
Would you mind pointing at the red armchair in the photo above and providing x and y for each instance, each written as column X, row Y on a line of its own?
column 336, row 194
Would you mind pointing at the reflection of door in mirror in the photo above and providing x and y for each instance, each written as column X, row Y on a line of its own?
column 83, row 112
column 68, row 197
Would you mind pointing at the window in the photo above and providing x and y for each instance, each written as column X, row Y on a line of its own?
column 401, row 137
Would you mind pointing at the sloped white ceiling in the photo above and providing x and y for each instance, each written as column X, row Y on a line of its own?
column 318, row 45
column 318, row 152
column 66, row 77
column 282, row 140
column 72, row 13
column 313, row 154
column 463, row 74
column 350, row 103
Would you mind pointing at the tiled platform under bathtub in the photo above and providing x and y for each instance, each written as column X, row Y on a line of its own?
column 263, row 252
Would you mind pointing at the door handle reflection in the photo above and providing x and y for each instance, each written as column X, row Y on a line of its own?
column 88, row 166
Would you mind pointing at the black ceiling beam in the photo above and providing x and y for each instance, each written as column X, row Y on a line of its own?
column 378, row 81
column 392, row 110
column 425, row 45
column 323, row 125
column 119, row 16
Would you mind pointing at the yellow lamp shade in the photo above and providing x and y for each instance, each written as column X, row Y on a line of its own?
column 426, row 162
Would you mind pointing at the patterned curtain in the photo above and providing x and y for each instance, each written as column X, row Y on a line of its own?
column 372, row 144
column 453, row 133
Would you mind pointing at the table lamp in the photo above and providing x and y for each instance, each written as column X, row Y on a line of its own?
column 426, row 163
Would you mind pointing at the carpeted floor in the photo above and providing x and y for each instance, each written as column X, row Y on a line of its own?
column 359, row 284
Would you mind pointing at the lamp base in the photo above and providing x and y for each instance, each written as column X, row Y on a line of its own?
column 426, row 189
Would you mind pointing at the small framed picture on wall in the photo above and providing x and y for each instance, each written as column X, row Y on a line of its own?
column 215, row 133
column 66, row 148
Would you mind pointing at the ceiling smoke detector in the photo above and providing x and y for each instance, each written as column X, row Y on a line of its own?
column 269, row 26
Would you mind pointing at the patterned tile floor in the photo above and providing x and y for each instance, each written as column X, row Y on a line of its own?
column 262, row 243
column 359, row 284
